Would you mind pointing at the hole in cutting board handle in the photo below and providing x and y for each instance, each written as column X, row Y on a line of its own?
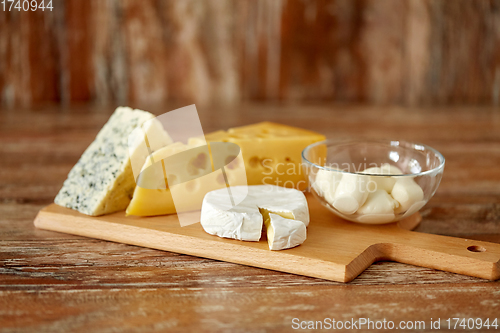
column 476, row 248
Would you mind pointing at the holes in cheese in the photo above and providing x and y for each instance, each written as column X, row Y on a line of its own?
column 173, row 180
column 176, row 178
column 231, row 162
column 192, row 185
column 254, row 162
column 220, row 179
column 197, row 164
column 272, row 152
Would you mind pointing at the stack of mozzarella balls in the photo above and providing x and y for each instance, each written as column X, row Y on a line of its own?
column 369, row 196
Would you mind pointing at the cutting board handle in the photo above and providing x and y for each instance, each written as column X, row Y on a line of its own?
column 457, row 255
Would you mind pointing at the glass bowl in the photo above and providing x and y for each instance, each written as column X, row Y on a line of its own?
column 372, row 182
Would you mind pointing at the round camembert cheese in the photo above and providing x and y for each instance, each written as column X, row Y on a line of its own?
column 280, row 209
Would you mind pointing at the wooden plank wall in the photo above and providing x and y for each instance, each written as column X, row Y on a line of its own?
column 409, row 52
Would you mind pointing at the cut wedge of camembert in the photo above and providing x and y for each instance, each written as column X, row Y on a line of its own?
column 284, row 233
column 284, row 210
column 102, row 181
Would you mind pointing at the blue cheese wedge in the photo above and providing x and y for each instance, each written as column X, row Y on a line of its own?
column 102, row 181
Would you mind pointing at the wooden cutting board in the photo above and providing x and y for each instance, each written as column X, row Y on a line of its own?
column 335, row 249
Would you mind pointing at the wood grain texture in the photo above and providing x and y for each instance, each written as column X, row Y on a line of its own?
column 244, row 309
column 58, row 282
column 335, row 250
column 411, row 52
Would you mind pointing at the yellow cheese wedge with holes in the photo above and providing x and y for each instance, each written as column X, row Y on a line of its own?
column 272, row 152
column 153, row 193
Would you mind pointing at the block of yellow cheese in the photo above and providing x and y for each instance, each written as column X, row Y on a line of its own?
column 191, row 174
column 272, row 152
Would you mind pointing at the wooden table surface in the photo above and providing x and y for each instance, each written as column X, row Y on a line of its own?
column 57, row 282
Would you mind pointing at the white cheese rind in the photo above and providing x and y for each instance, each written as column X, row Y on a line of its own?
column 283, row 200
column 285, row 233
column 244, row 221
column 237, row 225
column 102, row 180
